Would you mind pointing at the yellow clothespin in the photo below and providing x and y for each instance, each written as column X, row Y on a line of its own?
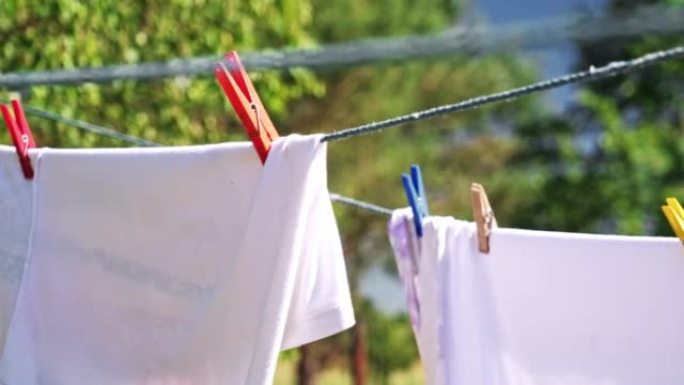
column 675, row 215
column 483, row 216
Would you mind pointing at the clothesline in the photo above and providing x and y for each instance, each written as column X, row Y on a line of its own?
column 367, row 206
column 593, row 74
column 137, row 278
column 527, row 35
column 94, row 128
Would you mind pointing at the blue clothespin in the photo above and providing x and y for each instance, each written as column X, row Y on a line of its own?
column 415, row 193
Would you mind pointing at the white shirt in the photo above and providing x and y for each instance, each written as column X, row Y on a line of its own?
column 16, row 210
column 551, row 308
column 187, row 265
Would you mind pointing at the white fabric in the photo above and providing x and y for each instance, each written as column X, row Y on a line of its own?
column 420, row 286
column 15, row 224
column 189, row 265
column 552, row 308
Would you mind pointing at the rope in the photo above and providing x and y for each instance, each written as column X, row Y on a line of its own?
column 593, row 74
column 370, row 207
column 103, row 131
column 649, row 20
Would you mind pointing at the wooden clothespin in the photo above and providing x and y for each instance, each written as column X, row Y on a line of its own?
column 243, row 97
column 675, row 215
column 21, row 135
column 483, row 216
column 415, row 194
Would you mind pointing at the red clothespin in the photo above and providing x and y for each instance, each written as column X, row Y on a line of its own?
column 242, row 95
column 21, row 135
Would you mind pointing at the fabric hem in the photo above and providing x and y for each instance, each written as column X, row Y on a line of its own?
column 318, row 327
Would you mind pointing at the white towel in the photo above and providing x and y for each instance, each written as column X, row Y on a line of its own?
column 189, row 265
column 549, row 308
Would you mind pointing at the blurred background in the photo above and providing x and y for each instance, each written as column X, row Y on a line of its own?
column 597, row 158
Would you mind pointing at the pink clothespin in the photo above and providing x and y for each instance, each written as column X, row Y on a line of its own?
column 243, row 97
column 21, row 135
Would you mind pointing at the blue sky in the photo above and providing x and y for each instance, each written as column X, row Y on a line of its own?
column 498, row 11
column 552, row 62
column 384, row 289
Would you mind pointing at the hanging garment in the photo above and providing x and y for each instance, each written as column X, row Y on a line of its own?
column 420, row 289
column 189, row 265
column 549, row 308
column 15, row 224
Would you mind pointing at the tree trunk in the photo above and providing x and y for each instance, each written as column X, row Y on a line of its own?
column 305, row 366
column 360, row 356
column 357, row 349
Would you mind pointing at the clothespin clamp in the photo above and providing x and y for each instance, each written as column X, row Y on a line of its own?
column 483, row 216
column 21, row 135
column 675, row 215
column 244, row 99
column 415, row 194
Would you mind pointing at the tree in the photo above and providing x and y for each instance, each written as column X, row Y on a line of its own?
column 608, row 163
column 57, row 34
column 391, row 342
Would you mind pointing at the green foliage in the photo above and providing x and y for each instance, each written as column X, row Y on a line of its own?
column 56, row 34
column 610, row 161
column 646, row 156
column 612, row 180
column 391, row 343
column 369, row 167
column 354, row 19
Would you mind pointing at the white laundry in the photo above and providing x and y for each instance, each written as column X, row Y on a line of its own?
column 187, row 265
column 16, row 211
column 421, row 293
column 552, row 308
